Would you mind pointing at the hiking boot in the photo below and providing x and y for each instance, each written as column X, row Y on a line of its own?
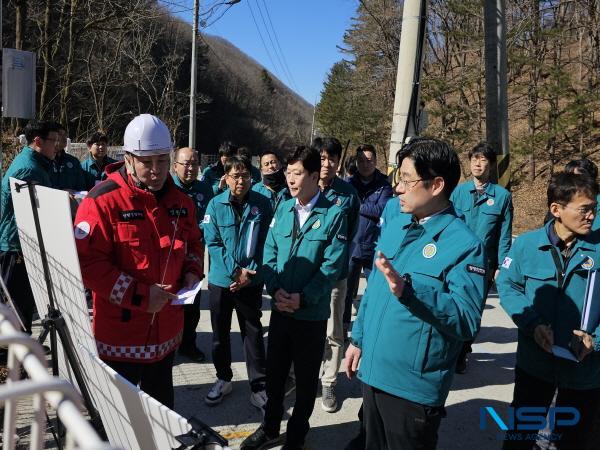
column 259, row 399
column 259, row 440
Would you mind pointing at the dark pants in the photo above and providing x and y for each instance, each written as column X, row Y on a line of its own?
column 393, row 423
column 531, row 391
column 191, row 317
column 354, row 269
column 155, row 379
column 301, row 342
column 14, row 274
column 247, row 303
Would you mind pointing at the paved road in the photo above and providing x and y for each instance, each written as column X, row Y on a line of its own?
column 487, row 383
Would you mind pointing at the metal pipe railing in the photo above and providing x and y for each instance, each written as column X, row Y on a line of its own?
column 23, row 351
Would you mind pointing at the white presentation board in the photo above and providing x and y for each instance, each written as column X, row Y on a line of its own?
column 132, row 419
column 54, row 213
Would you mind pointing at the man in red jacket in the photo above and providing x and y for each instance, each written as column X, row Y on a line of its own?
column 138, row 244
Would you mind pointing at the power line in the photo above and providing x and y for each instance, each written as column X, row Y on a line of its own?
column 261, row 38
column 287, row 68
column 262, row 17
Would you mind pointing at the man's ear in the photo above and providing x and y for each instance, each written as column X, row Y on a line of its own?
column 555, row 209
column 437, row 185
column 128, row 164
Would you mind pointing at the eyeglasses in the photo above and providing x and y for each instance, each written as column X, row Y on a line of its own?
column 584, row 211
column 188, row 164
column 240, row 177
column 408, row 184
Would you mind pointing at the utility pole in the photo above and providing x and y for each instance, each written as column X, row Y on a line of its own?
column 406, row 100
column 192, row 134
column 496, row 97
column 312, row 127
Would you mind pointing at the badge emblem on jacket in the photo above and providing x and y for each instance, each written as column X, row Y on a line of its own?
column 429, row 251
column 588, row 264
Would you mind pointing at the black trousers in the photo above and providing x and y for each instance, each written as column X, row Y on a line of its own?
column 301, row 342
column 14, row 274
column 191, row 317
column 393, row 423
column 531, row 391
column 247, row 303
column 354, row 269
column 155, row 379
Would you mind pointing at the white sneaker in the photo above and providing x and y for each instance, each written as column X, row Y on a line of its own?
column 259, row 399
column 219, row 390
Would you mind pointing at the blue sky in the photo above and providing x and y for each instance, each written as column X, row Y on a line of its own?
column 308, row 32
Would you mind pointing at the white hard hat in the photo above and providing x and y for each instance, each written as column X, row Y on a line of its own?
column 147, row 135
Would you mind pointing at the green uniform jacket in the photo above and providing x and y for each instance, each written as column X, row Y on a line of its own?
column 28, row 165
column 529, row 292
column 200, row 192
column 410, row 344
column 276, row 198
column 66, row 173
column 310, row 263
column 343, row 194
column 392, row 209
column 489, row 216
column 233, row 242
column 212, row 175
column 93, row 173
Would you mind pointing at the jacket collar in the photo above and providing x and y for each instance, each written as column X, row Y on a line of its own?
column 436, row 223
column 544, row 242
column 490, row 188
column 45, row 162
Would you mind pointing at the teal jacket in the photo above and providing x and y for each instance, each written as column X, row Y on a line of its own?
column 200, row 192
column 212, row 175
column 66, row 173
column 410, row 344
column 93, row 173
column 235, row 242
column 308, row 261
column 28, row 165
column 276, row 198
column 489, row 216
column 392, row 209
column 530, row 293
column 344, row 195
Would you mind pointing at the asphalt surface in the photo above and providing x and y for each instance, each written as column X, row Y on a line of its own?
column 488, row 382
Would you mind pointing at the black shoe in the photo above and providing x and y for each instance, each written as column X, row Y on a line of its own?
column 192, row 352
column 259, row 440
column 292, row 446
column 461, row 364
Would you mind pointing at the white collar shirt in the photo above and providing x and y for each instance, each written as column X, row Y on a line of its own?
column 303, row 211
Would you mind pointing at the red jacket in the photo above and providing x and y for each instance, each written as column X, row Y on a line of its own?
column 123, row 237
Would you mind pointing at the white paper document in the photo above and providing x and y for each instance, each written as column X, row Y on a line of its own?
column 186, row 296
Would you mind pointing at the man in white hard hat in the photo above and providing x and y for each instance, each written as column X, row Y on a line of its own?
column 139, row 243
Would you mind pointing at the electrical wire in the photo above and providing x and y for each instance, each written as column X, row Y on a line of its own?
column 261, row 38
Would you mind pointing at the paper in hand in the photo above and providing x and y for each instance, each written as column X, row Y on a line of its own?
column 186, row 296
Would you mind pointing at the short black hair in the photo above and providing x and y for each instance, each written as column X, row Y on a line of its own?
column 483, row 149
column 366, row 148
column 59, row 126
column 244, row 152
column 350, row 166
column 37, row 128
column 328, row 144
column 310, row 158
column 227, row 149
column 270, row 152
column 564, row 186
column 96, row 137
column 433, row 158
column 583, row 165
column 237, row 162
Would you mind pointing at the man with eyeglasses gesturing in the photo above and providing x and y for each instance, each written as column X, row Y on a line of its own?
column 235, row 227
column 427, row 294
column 185, row 175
